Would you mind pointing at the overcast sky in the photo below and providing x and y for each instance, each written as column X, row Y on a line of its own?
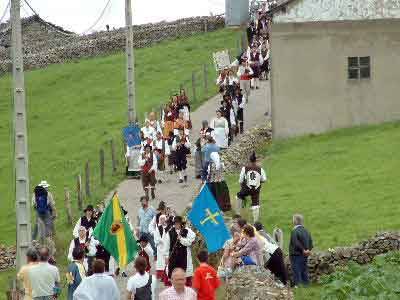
column 79, row 15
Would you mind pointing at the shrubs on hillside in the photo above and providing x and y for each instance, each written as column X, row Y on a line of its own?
column 378, row 280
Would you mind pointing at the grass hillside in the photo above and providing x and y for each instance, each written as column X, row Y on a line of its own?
column 345, row 183
column 75, row 108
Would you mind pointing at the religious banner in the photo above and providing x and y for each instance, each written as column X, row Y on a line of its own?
column 221, row 59
column 133, row 144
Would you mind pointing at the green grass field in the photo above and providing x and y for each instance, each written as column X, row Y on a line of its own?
column 75, row 108
column 345, row 183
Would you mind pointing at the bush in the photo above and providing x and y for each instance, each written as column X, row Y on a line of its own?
column 379, row 280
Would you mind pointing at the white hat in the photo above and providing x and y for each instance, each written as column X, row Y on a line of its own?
column 44, row 184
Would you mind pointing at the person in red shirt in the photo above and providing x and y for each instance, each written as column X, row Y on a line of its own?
column 205, row 280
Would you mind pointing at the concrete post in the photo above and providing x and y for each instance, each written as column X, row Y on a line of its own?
column 21, row 162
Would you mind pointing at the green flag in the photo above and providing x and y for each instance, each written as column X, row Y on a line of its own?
column 115, row 235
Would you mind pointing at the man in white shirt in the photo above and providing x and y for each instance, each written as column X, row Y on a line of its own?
column 178, row 290
column 99, row 286
column 245, row 74
column 87, row 244
column 148, row 131
column 44, row 277
column 251, row 177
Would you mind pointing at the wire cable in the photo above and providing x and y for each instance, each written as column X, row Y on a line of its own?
column 5, row 12
column 31, row 8
column 99, row 18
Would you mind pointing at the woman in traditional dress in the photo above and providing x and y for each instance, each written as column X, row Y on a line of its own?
column 216, row 182
column 160, row 237
column 168, row 120
column 256, row 60
column 183, row 105
column 181, row 123
column 221, row 130
column 238, row 104
column 229, row 114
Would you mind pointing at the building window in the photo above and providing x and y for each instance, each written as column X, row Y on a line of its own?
column 359, row 67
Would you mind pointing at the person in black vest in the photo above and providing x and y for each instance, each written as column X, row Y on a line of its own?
column 86, row 244
column 179, row 241
column 88, row 221
column 251, row 178
column 256, row 60
column 181, row 145
column 101, row 252
column 145, row 251
column 238, row 104
column 300, row 247
column 148, row 163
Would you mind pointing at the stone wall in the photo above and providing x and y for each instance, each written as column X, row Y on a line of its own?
column 44, row 46
column 238, row 153
column 321, row 263
column 7, row 257
column 251, row 283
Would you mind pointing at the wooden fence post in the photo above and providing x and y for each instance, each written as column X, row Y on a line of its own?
column 244, row 41
column 194, row 85
column 67, row 199
column 205, row 25
column 14, row 292
column 79, row 191
column 87, row 179
column 113, row 161
column 102, row 163
column 205, row 71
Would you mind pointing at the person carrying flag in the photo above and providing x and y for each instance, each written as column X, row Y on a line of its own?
column 115, row 234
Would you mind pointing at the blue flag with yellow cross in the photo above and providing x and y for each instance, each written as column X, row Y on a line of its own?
column 206, row 216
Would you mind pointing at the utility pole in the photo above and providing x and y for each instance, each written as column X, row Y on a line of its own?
column 130, row 63
column 22, row 203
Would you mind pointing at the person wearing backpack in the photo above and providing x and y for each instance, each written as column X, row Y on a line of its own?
column 141, row 286
column 44, row 205
column 251, row 178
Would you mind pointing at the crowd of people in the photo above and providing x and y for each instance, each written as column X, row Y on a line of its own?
column 164, row 257
column 164, row 238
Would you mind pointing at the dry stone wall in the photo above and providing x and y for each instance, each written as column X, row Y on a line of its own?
column 321, row 263
column 45, row 45
column 238, row 153
column 7, row 257
column 254, row 283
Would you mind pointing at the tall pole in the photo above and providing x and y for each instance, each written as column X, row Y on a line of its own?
column 130, row 63
column 22, row 202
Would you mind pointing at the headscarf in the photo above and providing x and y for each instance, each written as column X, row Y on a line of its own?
column 216, row 159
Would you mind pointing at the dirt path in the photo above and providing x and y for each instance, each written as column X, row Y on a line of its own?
column 178, row 196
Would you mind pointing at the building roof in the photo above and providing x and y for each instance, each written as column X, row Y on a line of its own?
column 298, row 11
column 5, row 28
